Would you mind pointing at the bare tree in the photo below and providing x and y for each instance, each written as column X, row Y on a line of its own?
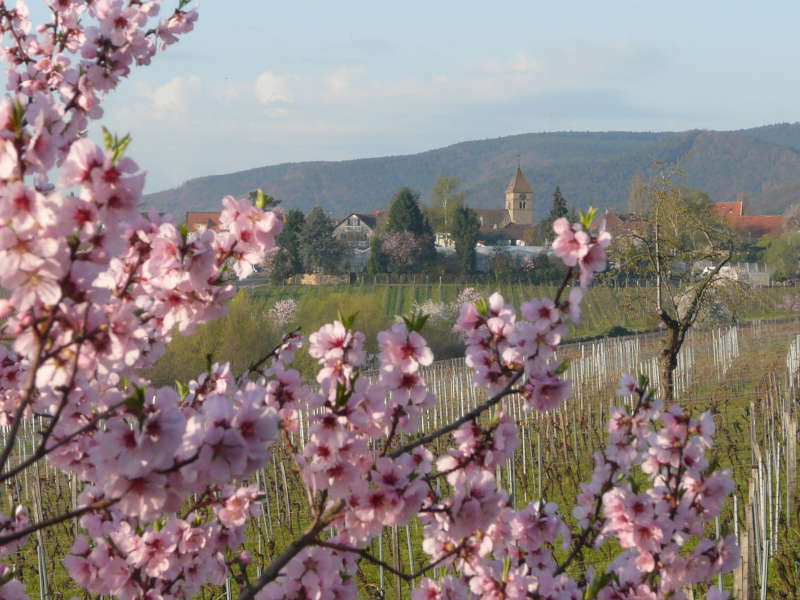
column 680, row 243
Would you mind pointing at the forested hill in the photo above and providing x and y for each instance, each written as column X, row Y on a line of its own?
column 591, row 168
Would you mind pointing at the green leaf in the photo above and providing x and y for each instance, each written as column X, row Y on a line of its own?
column 643, row 382
column 482, row 306
column 184, row 232
column 586, row 219
column 348, row 320
column 562, row 367
column 342, row 395
column 183, row 389
column 18, row 117
column 115, row 145
column 121, row 146
column 135, row 402
column 416, row 321
column 598, row 583
column 108, row 139
column 261, row 199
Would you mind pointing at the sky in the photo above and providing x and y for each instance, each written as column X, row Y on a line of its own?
column 259, row 83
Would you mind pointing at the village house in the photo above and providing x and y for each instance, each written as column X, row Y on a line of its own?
column 751, row 226
column 356, row 230
column 202, row 220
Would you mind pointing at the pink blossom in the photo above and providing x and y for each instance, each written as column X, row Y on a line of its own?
column 236, row 509
column 404, row 349
column 627, row 385
column 571, row 243
column 97, row 290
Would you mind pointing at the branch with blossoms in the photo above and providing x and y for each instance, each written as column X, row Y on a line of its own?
column 98, row 290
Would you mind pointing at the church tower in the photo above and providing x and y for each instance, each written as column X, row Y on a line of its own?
column 519, row 200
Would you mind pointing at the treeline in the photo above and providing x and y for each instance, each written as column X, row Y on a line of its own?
column 405, row 241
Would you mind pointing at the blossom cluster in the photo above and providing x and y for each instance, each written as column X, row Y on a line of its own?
column 502, row 552
column 97, row 290
column 405, row 248
column 495, row 549
column 282, row 312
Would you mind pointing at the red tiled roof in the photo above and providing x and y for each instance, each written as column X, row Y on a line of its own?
column 195, row 220
column 753, row 225
column 757, row 225
column 729, row 209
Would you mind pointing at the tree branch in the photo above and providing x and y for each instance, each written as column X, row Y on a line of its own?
column 42, row 452
column 694, row 307
column 274, row 352
column 401, row 574
column 473, row 414
column 307, row 539
column 100, row 504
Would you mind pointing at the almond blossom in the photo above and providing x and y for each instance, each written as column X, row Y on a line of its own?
column 97, row 290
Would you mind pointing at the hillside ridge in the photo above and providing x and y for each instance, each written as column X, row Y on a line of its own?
column 762, row 163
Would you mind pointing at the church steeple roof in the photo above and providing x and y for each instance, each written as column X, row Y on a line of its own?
column 519, row 185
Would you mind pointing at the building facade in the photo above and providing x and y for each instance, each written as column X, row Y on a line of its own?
column 356, row 230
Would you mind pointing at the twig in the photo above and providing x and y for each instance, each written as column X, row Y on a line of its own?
column 12, row 537
column 293, row 550
column 274, row 352
column 38, row 455
column 367, row 556
column 475, row 412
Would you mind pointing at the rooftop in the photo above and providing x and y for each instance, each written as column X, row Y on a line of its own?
column 195, row 220
column 519, row 185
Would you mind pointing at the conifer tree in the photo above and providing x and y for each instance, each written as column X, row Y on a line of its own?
column 319, row 250
column 464, row 229
column 544, row 230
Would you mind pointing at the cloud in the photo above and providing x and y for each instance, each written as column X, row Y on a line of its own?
column 231, row 92
column 339, row 83
column 272, row 88
column 344, row 109
column 170, row 99
column 522, row 62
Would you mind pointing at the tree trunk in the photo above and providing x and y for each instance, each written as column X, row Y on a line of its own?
column 668, row 362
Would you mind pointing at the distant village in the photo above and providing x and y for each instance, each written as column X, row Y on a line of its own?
column 408, row 237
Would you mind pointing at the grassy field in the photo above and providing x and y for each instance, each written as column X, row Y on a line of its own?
column 739, row 387
column 246, row 332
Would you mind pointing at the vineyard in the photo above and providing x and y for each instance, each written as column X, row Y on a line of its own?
column 245, row 333
column 746, row 375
